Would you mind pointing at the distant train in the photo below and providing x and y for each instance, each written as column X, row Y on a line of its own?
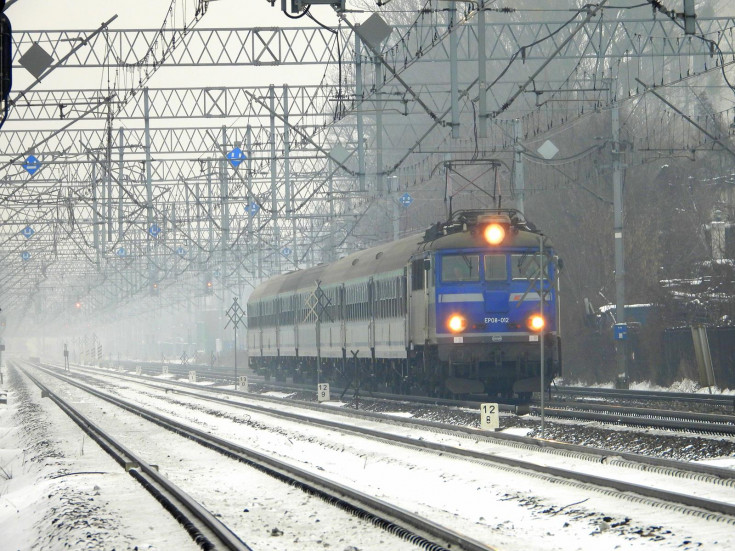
column 457, row 310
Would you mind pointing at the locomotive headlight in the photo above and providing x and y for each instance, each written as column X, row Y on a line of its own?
column 457, row 323
column 494, row 233
column 536, row 322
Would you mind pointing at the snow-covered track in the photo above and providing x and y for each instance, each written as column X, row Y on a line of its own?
column 664, row 467
column 423, row 532
column 727, row 401
column 203, row 527
column 640, row 416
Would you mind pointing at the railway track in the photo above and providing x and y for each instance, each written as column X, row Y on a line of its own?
column 668, row 469
column 203, row 527
column 727, row 401
column 411, row 527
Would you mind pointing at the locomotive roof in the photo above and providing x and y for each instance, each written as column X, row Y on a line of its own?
column 383, row 258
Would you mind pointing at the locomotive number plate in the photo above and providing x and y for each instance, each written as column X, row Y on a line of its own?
column 497, row 320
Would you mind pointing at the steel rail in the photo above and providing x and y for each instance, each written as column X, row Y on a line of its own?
column 203, row 527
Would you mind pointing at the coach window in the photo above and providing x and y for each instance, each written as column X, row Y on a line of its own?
column 461, row 267
column 417, row 275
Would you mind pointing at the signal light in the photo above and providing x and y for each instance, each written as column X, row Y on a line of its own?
column 77, row 305
column 536, row 322
column 457, row 323
column 210, row 287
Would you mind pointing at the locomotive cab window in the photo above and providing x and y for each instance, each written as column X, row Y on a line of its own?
column 461, row 267
column 526, row 266
column 495, row 267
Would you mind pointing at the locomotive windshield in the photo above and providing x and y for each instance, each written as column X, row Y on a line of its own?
column 461, row 267
column 495, row 267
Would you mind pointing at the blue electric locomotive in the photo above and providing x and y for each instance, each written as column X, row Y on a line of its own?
column 465, row 308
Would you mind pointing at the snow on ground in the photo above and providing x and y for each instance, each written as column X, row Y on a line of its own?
column 59, row 490
column 501, row 507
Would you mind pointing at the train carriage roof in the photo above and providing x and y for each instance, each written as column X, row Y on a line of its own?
column 383, row 258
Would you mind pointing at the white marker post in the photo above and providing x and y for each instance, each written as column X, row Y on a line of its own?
column 322, row 393
column 489, row 416
column 137, row 370
column 242, row 382
column 164, row 370
column 192, row 376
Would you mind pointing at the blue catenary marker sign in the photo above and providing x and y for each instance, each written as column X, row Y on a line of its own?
column 236, row 156
column 252, row 209
column 28, row 232
column 405, row 200
column 32, row 165
column 154, row 230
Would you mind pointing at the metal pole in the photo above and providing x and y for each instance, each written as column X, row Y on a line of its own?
column 290, row 214
column 360, row 127
column 225, row 206
column 620, row 348
column 541, row 333
column 120, row 188
column 482, row 72
column 453, row 70
column 518, row 176
column 378, row 128
column 274, row 174
column 95, row 216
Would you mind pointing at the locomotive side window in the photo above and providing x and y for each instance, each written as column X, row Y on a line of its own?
column 496, row 268
column 417, row 275
column 461, row 267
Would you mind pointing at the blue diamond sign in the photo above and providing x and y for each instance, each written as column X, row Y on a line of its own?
column 252, row 209
column 405, row 200
column 154, row 230
column 121, row 252
column 28, row 232
column 25, row 255
column 181, row 251
column 285, row 251
column 236, row 156
column 620, row 331
column 32, row 165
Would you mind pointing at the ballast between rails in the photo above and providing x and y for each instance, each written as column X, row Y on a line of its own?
column 203, row 527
